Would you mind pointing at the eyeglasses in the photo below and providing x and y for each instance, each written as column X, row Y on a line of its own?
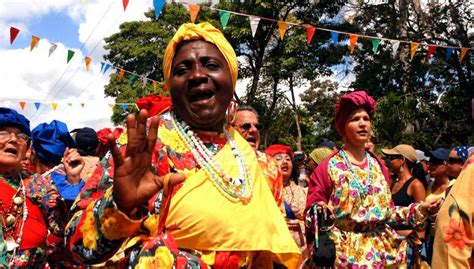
column 393, row 157
column 4, row 135
column 247, row 126
column 452, row 160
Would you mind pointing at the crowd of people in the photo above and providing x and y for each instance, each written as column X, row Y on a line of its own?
column 184, row 184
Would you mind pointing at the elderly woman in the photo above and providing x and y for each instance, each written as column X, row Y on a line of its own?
column 352, row 183
column 31, row 208
column 218, row 204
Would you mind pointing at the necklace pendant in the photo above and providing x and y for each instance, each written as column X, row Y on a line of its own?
column 18, row 200
column 10, row 243
column 10, row 220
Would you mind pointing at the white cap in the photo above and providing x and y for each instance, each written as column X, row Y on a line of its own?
column 420, row 156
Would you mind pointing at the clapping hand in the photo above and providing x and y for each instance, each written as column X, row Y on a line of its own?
column 73, row 165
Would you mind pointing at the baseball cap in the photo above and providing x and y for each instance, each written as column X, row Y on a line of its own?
column 440, row 154
column 421, row 156
column 405, row 150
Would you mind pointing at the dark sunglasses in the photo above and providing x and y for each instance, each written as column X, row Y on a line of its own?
column 247, row 126
column 434, row 161
column 393, row 157
column 453, row 160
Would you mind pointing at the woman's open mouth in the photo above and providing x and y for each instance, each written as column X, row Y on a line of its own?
column 201, row 96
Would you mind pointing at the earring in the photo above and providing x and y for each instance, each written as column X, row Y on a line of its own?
column 230, row 113
column 401, row 169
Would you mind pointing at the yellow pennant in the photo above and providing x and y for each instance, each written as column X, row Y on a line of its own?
column 34, row 41
column 463, row 53
column 193, row 11
column 54, row 106
column 283, row 26
column 352, row 42
column 155, row 85
column 88, row 62
column 413, row 48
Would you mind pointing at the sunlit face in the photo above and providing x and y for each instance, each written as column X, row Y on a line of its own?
column 13, row 146
column 454, row 164
column 246, row 123
column 357, row 128
column 285, row 163
column 201, row 85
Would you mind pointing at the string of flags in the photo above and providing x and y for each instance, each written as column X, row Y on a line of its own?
column 55, row 105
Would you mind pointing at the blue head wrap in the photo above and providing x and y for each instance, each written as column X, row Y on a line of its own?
column 50, row 141
column 462, row 152
column 11, row 118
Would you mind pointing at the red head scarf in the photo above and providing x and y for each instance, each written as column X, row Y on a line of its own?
column 277, row 149
column 154, row 104
column 102, row 135
column 350, row 102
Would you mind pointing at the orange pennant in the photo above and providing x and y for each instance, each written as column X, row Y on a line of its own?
column 22, row 105
column 282, row 27
column 121, row 73
column 193, row 11
column 34, row 41
column 88, row 62
column 463, row 53
column 54, row 106
column 352, row 42
column 155, row 85
column 413, row 48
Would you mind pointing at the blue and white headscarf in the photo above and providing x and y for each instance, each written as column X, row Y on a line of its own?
column 462, row 152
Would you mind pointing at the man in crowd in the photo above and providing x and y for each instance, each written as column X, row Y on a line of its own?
column 247, row 124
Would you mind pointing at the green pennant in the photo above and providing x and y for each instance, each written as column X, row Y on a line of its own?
column 132, row 78
column 375, row 44
column 70, row 54
column 224, row 16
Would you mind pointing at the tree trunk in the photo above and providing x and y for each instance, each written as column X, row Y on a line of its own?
column 297, row 120
column 269, row 114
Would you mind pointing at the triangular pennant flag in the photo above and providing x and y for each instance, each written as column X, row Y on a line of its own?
column 69, row 104
column 111, row 106
column 155, row 86
column 70, row 54
column 449, row 52
column 335, row 37
column 254, row 21
column 224, row 17
column 431, row 50
column 52, row 49
column 106, row 67
column 282, row 26
column 34, row 41
column 193, row 11
column 463, row 53
column 121, row 73
column 124, row 107
column 395, row 45
column 309, row 33
column 413, row 47
column 158, row 6
column 145, row 82
column 22, row 104
column 88, row 62
column 13, row 34
column 375, row 45
column 352, row 42
column 37, row 105
column 54, row 106
column 82, row 105
column 132, row 78
column 125, row 4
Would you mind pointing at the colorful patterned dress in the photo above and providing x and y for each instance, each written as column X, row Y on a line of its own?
column 204, row 226
column 295, row 201
column 364, row 212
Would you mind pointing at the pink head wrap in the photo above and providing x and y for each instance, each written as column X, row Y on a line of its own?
column 350, row 102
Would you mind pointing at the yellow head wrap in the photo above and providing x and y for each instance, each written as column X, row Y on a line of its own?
column 202, row 31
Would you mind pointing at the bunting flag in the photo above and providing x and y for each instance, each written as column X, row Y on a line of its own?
column 70, row 54
column 395, row 45
column 282, row 26
column 34, row 41
column 54, row 106
column 124, row 108
column 37, row 105
column 158, row 6
column 22, row 105
column 335, row 37
column 69, row 104
column 431, row 50
column 254, row 21
column 125, row 4
column 82, row 105
column 13, row 34
column 104, row 67
column 88, row 62
column 352, row 42
column 155, row 86
column 449, row 52
column 413, row 47
column 145, row 82
column 463, row 53
column 194, row 11
column 52, row 49
column 309, row 33
column 132, row 78
column 375, row 45
column 121, row 73
column 224, row 17
column 111, row 106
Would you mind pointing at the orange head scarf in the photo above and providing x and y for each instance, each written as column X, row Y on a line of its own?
column 202, row 31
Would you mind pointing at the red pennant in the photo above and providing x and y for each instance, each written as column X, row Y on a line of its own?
column 125, row 4
column 13, row 33
column 309, row 33
column 22, row 105
column 431, row 50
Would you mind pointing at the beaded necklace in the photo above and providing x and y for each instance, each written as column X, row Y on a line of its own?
column 363, row 189
column 234, row 189
column 10, row 219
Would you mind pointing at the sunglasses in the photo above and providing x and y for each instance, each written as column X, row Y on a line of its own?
column 393, row 157
column 247, row 126
column 433, row 161
column 453, row 160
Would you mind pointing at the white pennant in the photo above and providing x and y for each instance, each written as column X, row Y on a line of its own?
column 52, row 49
column 395, row 45
column 145, row 82
column 254, row 21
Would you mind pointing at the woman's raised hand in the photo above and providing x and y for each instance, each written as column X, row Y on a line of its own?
column 135, row 182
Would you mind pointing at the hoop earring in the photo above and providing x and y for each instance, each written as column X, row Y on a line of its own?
column 230, row 113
